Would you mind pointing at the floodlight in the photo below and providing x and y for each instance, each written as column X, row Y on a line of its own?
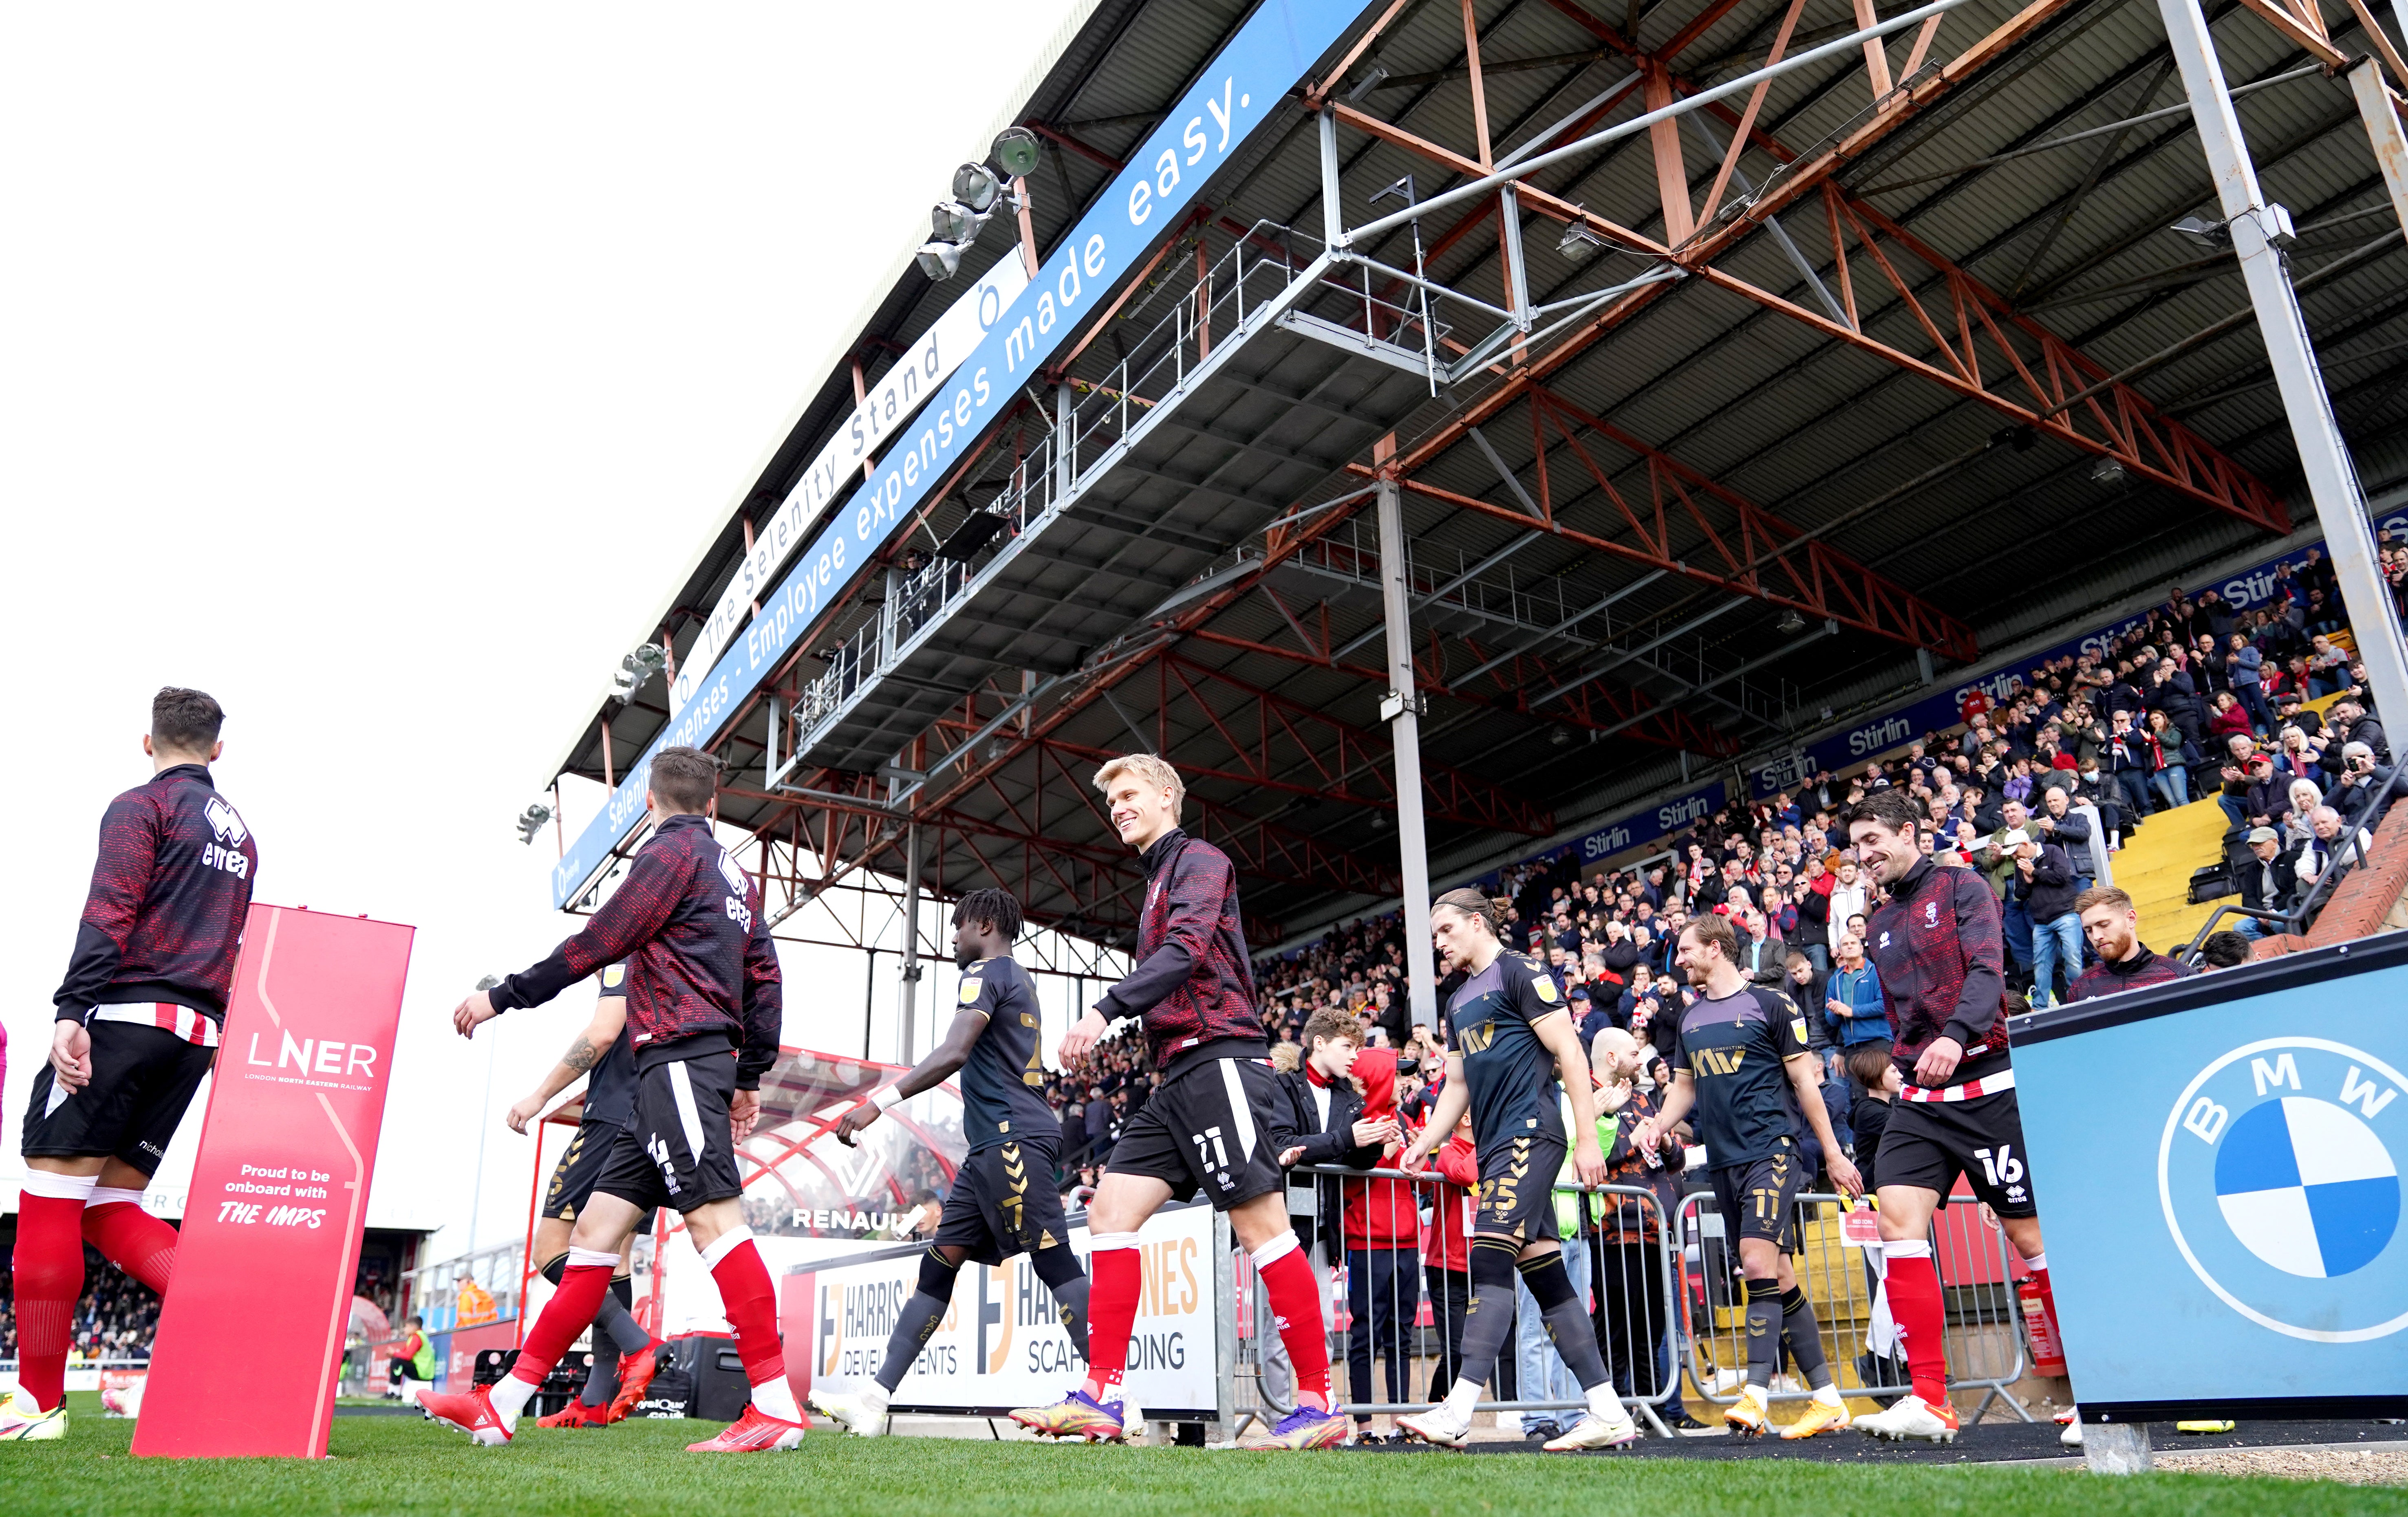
column 2215, row 234
column 1373, row 78
column 978, row 187
column 531, row 820
column 2107, row 472
column 950, row 220
column 636, row 668
column 939, row 260
column 1791, row 624
column 1015, row 152
column 1579, row 242
column 1559, row 736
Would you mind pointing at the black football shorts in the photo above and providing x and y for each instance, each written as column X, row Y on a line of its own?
column 1003, row 1202
column 142, row 1081
column 1212, row 1128
column 1759, row 1199
column 1930, row 1143
column 1517, row 1189
column 680, row 1153
column 581, row 1170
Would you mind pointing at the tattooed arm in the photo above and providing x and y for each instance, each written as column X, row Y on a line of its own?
column 585, row 1051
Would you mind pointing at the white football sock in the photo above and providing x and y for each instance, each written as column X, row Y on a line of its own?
column 775, row 1397
column 1460, row 1398
column 1828, row 1396
column 874, row 1396
column 1603, row 1404
column 509, row 1397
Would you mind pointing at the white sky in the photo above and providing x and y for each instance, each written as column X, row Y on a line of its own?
column 375, row 371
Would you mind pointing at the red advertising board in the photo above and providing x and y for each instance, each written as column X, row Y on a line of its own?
column 279, row 1202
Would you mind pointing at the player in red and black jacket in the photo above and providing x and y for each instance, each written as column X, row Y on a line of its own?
column 1214, row 1125
column 1937, row 944
column 704, row 1013
column 138, row 1027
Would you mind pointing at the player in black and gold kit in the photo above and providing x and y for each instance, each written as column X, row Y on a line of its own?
column 1004, row 1201
column 1509, row 1035
column 1741, row 1065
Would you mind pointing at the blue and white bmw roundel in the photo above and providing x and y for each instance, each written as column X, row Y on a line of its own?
column 2279, row 1172
column 2307, row 1186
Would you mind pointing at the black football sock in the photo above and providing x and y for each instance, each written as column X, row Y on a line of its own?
column 1803, row 1336
column 1763, row 1331
column 616, row 1323
column 1488, row 1321
column 917, row 1323
column 1070, row 1290
column 1567, row 1317
column 602, row 1380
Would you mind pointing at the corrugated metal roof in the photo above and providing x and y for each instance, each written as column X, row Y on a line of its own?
column 2009, row 538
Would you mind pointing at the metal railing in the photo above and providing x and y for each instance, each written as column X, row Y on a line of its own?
column 432, row 1291
column 2354, row 837
column 1985, row 1326
column 1395, row 1267
column 1664, row 1302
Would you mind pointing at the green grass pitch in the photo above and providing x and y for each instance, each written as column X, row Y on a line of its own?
column 404, row 1465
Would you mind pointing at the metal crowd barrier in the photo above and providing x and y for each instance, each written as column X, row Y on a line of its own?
column 1394, row 1271
column 1984, row 1335
column 1664, row 1301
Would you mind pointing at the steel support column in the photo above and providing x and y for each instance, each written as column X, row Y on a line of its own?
column 1404, row 726
column 2382, row 131
column 909, row 998
column 2332, row 480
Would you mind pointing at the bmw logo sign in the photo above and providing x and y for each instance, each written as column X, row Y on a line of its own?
column 2280, row 1175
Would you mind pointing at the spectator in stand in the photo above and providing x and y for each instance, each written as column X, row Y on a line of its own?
column 1874, row 1075
column 2269, row 884
column 2058, row 822
column 2223, row 951
column 1849, row 897
column 2329, row 846
column 2327, row 665
column 2245, row 667
column 1853, row 1007
column 2229, row 717
column 2176, row 756
column 2043, row 883
column 2297, row 822
column 2131, row 759
column 2296, row 758
column 2353, row 724
column 2113, row 927
column 2362, row 789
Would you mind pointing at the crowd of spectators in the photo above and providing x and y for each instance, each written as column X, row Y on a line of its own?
column 115, row 1318
column 2045, row 775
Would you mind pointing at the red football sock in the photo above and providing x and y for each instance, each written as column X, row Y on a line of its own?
column 570, row 1313
column 1922, row 1320
column 49, row 1271
column 133, row 1240
column 2037, row 1270
column 1295, row 1305
column 751, row 1303
column 1115, row 1281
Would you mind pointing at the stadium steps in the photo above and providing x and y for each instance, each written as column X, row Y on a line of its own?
column 2154, row 866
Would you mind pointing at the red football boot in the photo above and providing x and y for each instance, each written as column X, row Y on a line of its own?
column 636, row 1373
column 755, row 1432
column 577, row 1414
column 472, row 1413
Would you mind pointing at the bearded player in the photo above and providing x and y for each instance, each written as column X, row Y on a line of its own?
column 138, row 1021
column 1003, row 1201
column 625, row 1356
column 1211, row 1126
column 1509, row 1038
column 704, row 1013
column 1741, row 1063
column 1936, row 943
